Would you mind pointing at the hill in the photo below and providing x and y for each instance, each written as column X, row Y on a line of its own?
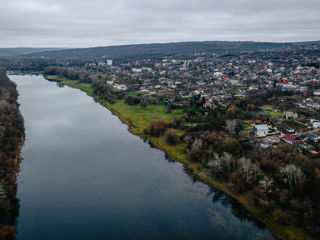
column 161, row 49
column 8, row 52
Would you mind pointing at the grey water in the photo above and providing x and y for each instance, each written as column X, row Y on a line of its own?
column 85, row 176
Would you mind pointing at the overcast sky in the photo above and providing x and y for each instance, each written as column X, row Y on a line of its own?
column 79, row 23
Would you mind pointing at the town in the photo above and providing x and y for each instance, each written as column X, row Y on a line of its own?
column 283, row 88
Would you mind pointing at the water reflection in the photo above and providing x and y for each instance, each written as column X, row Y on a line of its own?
column 85, row 176
column 60, row 85
column 236, row 208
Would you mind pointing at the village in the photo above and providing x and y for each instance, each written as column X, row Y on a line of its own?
column 246, row 120
column 284, row 87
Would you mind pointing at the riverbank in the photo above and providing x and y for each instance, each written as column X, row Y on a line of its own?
column 138, row 119
column 11, row 141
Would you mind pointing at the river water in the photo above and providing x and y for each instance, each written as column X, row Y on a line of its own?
column 85, row 176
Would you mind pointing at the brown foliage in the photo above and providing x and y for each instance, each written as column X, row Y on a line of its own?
column 11, row 132
column 171, row 136
column 232, row 110
column 7, row 233
column 157, row 128
column 251, row 107
column 263, row 118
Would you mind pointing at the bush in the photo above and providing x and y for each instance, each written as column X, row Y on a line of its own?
column 157, row 128
column 171, row 136
column 133, row 100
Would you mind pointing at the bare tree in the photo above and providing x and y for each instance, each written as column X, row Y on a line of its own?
column 292, row 174
column 196, row 149
column 266, row 183
column 197, row 145
column 248, row 170
column 223, row 164
column 228, row 161
column 231, row 126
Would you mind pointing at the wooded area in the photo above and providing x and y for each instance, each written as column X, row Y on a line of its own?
column 11, row 138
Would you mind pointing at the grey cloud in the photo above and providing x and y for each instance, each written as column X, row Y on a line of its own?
column 78, row 23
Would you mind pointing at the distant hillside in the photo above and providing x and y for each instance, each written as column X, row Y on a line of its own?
column 22, row 51
column 158, row 49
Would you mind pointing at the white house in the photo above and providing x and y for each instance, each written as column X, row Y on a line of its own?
column 136, row 70
column 261, row 130
column 317, row 92
column 315, row 123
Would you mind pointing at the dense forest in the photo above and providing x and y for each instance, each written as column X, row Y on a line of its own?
column 11, row 138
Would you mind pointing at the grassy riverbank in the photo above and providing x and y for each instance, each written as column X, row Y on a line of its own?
column 138, row 118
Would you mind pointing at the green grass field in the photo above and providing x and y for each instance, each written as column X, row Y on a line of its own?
column 273, row 114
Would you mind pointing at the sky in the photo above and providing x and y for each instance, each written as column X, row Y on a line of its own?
column 79, row 23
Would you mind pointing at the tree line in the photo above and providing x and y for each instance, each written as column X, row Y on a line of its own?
column 282, row 181
column 11, row 137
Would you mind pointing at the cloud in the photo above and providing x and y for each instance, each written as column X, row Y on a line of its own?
column 78, row 23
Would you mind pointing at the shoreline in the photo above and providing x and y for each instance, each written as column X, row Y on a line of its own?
column 11, row 157
column 278, row 231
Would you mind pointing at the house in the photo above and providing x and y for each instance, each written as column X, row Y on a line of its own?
column 109, row 62
column 289, row 130
column 312, row 136
column 313, row 152
column 261, row 130
column 315, row 123
column 290, row 115
column 317, row 92
column 264, row 145
column 273, row 139
column 289, row 138
column 136, row 70
column 209, row 105
column 121, row 87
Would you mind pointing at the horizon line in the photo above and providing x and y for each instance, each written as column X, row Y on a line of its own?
column 173, row 42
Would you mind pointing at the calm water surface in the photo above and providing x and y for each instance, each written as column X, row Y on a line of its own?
column 84, row 176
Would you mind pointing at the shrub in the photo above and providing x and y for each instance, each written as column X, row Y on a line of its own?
column 157, row 128
column 171, row 136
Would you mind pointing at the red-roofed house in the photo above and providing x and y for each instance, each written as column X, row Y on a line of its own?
column 289, row 138
column 283, row 83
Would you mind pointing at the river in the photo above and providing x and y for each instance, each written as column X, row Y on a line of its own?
column 85, row 176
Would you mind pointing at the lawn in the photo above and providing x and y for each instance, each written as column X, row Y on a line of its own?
column 273, row 113
column 137, row 116
column 132, row 93
column 268, row 106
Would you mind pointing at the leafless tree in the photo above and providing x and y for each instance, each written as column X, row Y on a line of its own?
column 197, row 145
column 248, row 170
column 231, row 126
column 292, row 174
column 225, row 163
column 266, row 183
